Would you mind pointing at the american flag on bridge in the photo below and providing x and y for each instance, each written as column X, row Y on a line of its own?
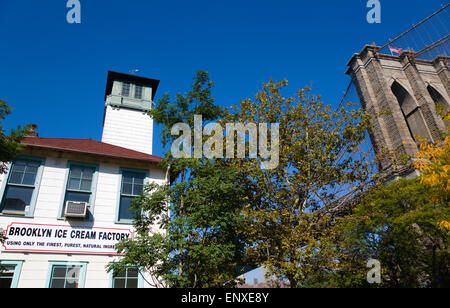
column 395, row 49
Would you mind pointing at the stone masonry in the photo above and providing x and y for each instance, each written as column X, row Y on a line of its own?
column 395, row 91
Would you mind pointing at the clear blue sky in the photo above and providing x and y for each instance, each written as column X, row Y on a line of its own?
column 54, row 73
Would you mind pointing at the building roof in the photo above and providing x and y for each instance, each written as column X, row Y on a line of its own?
column 153, row 83
column 89, row 146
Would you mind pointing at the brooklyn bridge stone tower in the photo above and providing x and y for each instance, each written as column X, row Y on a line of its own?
column 401, row 93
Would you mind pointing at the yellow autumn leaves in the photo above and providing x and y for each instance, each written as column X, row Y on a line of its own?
column 434, row 164
column 433, row 161
column 444, row 225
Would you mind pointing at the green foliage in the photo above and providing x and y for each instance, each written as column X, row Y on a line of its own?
column 198, row 245
column 315, row 220
column 398, row 225
column 319, row 165
column 10, row 145
column 197, row 101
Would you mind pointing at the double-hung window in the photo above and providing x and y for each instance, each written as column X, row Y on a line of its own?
column 131, row 187
column 21, row 187
column 81, row 185
column 130, row 278
column 66, row 276
column 138, row 92
column 126, row 87
column 9, row 274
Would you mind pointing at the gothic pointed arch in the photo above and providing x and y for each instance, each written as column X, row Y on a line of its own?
column 411, row 112
column 437, row 97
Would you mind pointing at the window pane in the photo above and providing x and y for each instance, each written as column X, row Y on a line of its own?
column 59, row 271
column 127, row 189
column 138, row 93
column 73, row 276
column 132, row 283
column 122, row 274
column 127, row 178
column 15, row 177
column 72, row 284
column 133, row 272
column 78, row 197
column 75, row 172
column 5, row 283
column 88, row 173
column 132, row 183
column 6, row 276
column 73, row 272
column 57, row 283
column 125, row 213
column 139, row 179
column 80, row 178
column 86, row 185
column 32, row 167
column 74, row 184
column 24, row 172
column 119, row 283
column 19, row 166
column 137, row 189
column 17, row 198
column 29, row 178
column 125, row 89
column 6, row 271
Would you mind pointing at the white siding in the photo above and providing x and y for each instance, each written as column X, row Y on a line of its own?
column 50, row 197
column 128, row 128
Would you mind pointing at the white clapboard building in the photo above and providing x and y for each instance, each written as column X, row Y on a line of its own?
column 64, row 202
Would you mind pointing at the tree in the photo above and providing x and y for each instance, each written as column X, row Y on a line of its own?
column 197, row 246
column 433, row 161
column 320, row 167
column 402, row 224
column 10, row 145
column 398, row 225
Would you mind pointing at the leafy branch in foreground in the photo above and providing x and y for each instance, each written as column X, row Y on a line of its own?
column 397, row 224
column 321, row 165
column 10, row 145
column 198, row 245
